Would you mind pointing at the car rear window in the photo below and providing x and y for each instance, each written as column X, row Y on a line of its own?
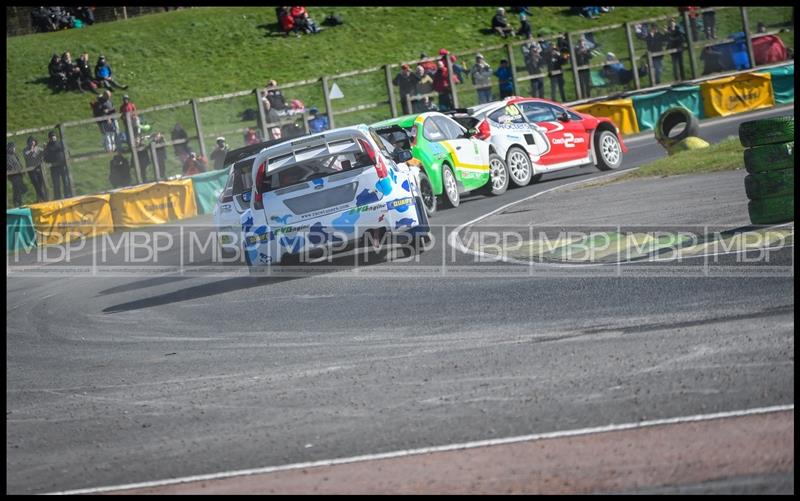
column 316, row 168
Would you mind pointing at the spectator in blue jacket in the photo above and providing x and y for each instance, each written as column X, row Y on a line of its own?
column 102, row 73
column 318, row 123
column 503, row 74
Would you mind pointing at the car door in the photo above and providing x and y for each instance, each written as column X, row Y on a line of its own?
column 566, row 141
column 471, row 166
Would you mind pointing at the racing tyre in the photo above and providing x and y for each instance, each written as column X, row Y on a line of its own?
column 608, row 151
column 519, row 166
column 536, row 178
column 769, row 184
column 769, row 157
column 767, row 131
column 450, row 187
column 498, row 176
column 426, row 191
column 671, row 119
column 771, row 210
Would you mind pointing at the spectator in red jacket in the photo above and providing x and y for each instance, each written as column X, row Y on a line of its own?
column 428, row 66
column 441, row 84
column 129, row 108
column 194, row 164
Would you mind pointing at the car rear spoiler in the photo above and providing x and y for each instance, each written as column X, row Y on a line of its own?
column 234, row 156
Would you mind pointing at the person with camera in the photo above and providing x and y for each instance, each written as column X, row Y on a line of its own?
column 33, row 160
column 555, row 60
column 54, row 155
column 218, row 155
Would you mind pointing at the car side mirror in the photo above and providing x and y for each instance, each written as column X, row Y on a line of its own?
column 563, row 117
column 401, row 156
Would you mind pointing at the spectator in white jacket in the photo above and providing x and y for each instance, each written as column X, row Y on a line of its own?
column 481, row 74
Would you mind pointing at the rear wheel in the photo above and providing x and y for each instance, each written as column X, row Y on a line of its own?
column 609, row 153
column 426, row 191
column 498, row 175
column 451, row 196
column 519, row 166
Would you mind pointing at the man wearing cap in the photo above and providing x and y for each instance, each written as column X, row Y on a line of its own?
column 500, row 23
column 54, row 155
column 407, row 82
column 481, row 74
column 317, row 123
column 102, row 73
column 218, row 155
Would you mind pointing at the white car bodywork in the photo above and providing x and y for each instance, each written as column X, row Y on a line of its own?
column 326, row 192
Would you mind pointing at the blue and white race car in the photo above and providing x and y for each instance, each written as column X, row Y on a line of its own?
column 330, row 192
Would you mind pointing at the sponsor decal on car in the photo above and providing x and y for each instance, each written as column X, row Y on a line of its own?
column 400, row 204
column 569, row 140
column 323, row 212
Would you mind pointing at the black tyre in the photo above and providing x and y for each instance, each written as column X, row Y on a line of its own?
column 519, row 165
column 767, row 131
column 498, row 176
column 769, row 184
column 769, row 157
column 671, row 119
column 426, row 192
column 608, row 151
column 772, row 210
column 536, row 178
column 450, row 193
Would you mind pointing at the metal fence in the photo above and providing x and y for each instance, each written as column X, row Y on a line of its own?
column 231, row 115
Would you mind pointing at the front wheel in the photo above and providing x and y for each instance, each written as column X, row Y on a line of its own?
column 498, row 175
column 608, row 151
column 426, row 192
column 451, row 196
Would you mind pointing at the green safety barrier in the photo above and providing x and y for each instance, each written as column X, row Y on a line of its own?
column 19, row 229
column 782, row 83
column 650, row 106
column 207, row 189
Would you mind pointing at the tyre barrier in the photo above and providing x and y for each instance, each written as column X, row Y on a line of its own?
column 769, row 160
column 672, row 118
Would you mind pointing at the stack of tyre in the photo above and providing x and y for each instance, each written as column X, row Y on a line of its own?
column 769, row 161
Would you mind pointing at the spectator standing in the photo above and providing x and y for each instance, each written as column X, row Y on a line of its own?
column 709, row 24
column 675, row 40
column 504, row 76
column 692, row 19
column 429, row 66
column 524, row 26
column 14, row 174
column 317, row 123
column 273, row 123
column 128, row 108
column 251, row 136
column 33, row 154
column 193, row 165
column 555, row 60
column 441, row 84
column 424, row 86
column 500, row 23
column 407, row 82
column 103, row 74
column 218, row 155
column 481, row 74
column 54, row 155
column 161, row 154
column 534, row 63
column 583, row 57
column 105, row 108
column 275, row 97
column 457, row 69
column 144, row 157
column 182, row 149
column 119, row 171
column 655, row 43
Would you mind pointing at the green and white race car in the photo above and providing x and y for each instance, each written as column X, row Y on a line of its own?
column 454, row 160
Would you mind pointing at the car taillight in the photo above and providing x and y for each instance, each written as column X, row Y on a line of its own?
column 262, row 171
column 413, row 136
column 484, row 131
column 380, row 166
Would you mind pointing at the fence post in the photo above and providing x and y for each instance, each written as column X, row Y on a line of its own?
column 453, row 91
column 155, row 160
column 262, row 116
column 132, row 144
column 651, row 70
column 305, row 122
column 510, row 53
column 390, row 90
column 688, row 29
column 197, row 123
column 572, row 63
column 66, row 160
column 125, row 12
column 746, row 27
column 632, row 51
column 326, row 97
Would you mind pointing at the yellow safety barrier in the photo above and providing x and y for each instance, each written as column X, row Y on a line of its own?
column 620, row 111
column 64, row 220
column 737, row 94
column 153, row 203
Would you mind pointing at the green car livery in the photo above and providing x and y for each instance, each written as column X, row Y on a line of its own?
column 454, row 161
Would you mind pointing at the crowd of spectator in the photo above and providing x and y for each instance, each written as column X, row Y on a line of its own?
column 590, row 12
column 66, row 74
column 47, row 19
column 295, row 20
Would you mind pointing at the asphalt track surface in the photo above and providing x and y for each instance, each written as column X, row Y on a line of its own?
column 120, row 379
